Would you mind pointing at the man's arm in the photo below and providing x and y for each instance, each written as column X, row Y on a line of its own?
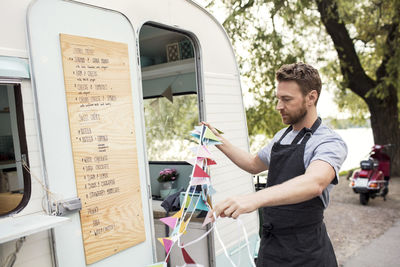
column 243, row 159
column 317, row 177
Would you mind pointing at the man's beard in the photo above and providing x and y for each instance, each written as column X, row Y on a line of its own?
column 297, row 117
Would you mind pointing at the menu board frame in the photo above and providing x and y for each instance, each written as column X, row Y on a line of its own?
column 101, row 122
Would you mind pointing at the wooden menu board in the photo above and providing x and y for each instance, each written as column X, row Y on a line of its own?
column 99, row 99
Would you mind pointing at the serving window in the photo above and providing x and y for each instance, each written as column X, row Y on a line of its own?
column 14, row 179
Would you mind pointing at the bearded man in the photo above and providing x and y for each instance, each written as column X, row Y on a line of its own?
column 303, row 162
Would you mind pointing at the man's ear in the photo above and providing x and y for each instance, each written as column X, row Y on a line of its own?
column 312, row 97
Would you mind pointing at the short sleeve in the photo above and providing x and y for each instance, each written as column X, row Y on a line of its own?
column 332, row 150
column 265, row 153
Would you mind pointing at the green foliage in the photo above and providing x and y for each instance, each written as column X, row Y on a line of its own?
column 277, row 32
column 168, row 126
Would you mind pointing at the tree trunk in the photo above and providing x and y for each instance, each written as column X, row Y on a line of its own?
column 384, row 112
column 385, row 126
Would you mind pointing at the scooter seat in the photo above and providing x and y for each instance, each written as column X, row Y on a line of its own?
column 367, row 164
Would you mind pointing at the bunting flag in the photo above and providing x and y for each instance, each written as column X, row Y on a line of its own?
column 170, row 221
column 178, row 214
column 198, row 172
column 186, row 257
column 211, row 162
column 210, row 135
column 201, row 151
column 211, row 190
column 155, row 105
column 207, row 219
column 193, row 161
column 168, row 94
column 199, row 181
column 212, row 142
column 166, row 242
column 192, row 200
column 182, row 227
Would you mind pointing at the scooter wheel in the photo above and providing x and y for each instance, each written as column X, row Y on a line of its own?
column 364, row 197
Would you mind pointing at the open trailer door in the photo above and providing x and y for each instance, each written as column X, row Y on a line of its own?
column 85, row 75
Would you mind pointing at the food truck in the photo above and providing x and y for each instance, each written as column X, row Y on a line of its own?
column 96, row 99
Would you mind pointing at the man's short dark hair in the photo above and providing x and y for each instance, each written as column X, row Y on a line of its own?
column 303, row 74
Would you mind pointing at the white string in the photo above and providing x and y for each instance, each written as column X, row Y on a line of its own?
column 214, row 226
column 220, row 241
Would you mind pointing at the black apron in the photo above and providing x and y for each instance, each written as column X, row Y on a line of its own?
column 294, row 235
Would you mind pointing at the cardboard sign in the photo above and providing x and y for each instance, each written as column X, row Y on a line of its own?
column 99, row 101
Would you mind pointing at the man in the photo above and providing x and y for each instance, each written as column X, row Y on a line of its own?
column 303, row 162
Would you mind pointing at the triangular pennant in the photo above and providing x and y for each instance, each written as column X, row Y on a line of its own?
column 210, row 135
column 211, row 190
column 182, row 228
column 212, row 142
column 178, row 214
column 156, row 106
column 193, row 161
column 209, row 201
column 168, row 94
column 198, row 128
column 199, row 180
column 201, row 151
column 186, row 257
column 188, row 200
column 208, row 218
column 167, row 244
column 219, row 131
column 195, row 135
column 202, row 206
column 170, row 221
column 161, row 239
column 211, row 162
column 198, row 172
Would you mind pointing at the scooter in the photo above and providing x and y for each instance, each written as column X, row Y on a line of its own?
column 372, row 179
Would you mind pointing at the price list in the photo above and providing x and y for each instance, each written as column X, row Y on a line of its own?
column 100, row 110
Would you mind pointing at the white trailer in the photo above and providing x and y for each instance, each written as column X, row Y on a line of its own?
column 37, row 127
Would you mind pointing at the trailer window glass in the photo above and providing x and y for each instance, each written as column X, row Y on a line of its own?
column 168, row 126
column 171, row 103
column 171, row 108
column 14, row 179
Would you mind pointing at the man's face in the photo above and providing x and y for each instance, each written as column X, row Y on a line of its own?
column 291, row 102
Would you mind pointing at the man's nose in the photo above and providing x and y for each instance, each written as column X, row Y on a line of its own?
column 279, row 105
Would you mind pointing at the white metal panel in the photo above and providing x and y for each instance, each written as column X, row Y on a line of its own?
column 12, row 32
column 30, row 255
column 227, row 113
column 48, row 18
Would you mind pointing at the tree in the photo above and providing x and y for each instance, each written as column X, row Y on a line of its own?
column 365, row 69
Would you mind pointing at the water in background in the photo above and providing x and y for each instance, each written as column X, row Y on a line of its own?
column 359, row 143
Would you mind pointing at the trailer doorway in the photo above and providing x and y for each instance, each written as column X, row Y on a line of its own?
column 171, row 101
column 172, row 107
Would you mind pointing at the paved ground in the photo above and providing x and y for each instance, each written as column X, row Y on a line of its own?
column 381, row 252
column 365, row 235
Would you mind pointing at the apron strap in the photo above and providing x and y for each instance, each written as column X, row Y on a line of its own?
column 305, row 132
column 310, row 132
column 289, row 129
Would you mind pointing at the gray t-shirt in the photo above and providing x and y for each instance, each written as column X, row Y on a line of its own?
column 324, row 144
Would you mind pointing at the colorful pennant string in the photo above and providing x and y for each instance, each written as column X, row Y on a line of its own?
column 191, row 200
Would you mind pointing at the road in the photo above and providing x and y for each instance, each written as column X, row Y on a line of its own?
column 356, row 229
